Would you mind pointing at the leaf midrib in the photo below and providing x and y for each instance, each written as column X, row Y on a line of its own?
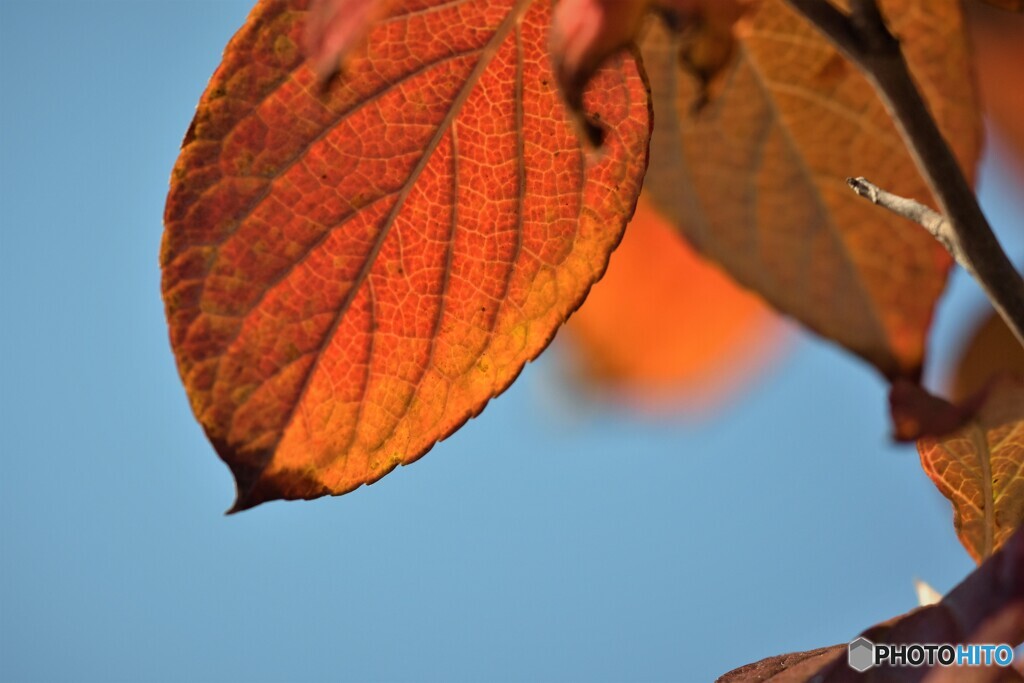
column 988, row 499
column 487, row 54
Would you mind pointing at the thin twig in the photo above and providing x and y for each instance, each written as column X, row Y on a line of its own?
column 929, row 219
column 864, row 38
column 832, row 22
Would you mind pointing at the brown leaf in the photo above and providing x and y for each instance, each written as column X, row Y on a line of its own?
column 998, row 53
column 916, row 413
column 752, row 170
column 1009, row 5
column 986, row 607
column 980, row 468
column 991, row 350
column 794, row 667
column 352, row 273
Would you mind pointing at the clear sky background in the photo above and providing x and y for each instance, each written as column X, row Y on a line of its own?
column 549, row 539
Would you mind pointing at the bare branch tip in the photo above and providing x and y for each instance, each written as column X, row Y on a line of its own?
column 864, row 188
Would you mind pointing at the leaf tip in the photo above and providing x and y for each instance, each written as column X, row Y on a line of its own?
column 257, row 487
column 247, row 474
column 257, row 481
column 926, row 595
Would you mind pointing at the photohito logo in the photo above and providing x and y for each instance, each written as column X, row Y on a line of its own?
column 862, row 654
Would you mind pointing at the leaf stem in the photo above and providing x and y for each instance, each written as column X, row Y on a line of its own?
column 864, row 38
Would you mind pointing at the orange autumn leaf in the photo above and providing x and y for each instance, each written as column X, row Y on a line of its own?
column 350, row 274
column 980, row 468
column 749, row 161
column 999, row 54
column 991, row 349
column 664, row 322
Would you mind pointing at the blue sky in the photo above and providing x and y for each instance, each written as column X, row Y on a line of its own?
column 550, row 539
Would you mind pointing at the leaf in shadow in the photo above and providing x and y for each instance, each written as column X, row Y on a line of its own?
column 991, row 350
column 986, row 607
column 751, row 167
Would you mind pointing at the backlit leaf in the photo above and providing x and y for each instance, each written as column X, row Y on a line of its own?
column 664, row 324
column 749, row 160
column 986, row 607
column 980, row 468
column 351, row 274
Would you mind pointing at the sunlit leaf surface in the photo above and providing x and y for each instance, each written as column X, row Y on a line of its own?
column 351, row 273
column 980, row 468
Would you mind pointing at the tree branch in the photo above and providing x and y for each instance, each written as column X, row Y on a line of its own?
column 864, row 38
column 832, row 22
column 929, row 219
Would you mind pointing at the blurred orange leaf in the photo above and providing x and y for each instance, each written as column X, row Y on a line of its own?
column 991, row 350
column 351, row 274
column 986, row 607
column 999, row 53
column 749, row 160
column 980, row 468
column 663, row 321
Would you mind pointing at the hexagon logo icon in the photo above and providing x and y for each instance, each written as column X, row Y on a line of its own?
column 861, row 655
